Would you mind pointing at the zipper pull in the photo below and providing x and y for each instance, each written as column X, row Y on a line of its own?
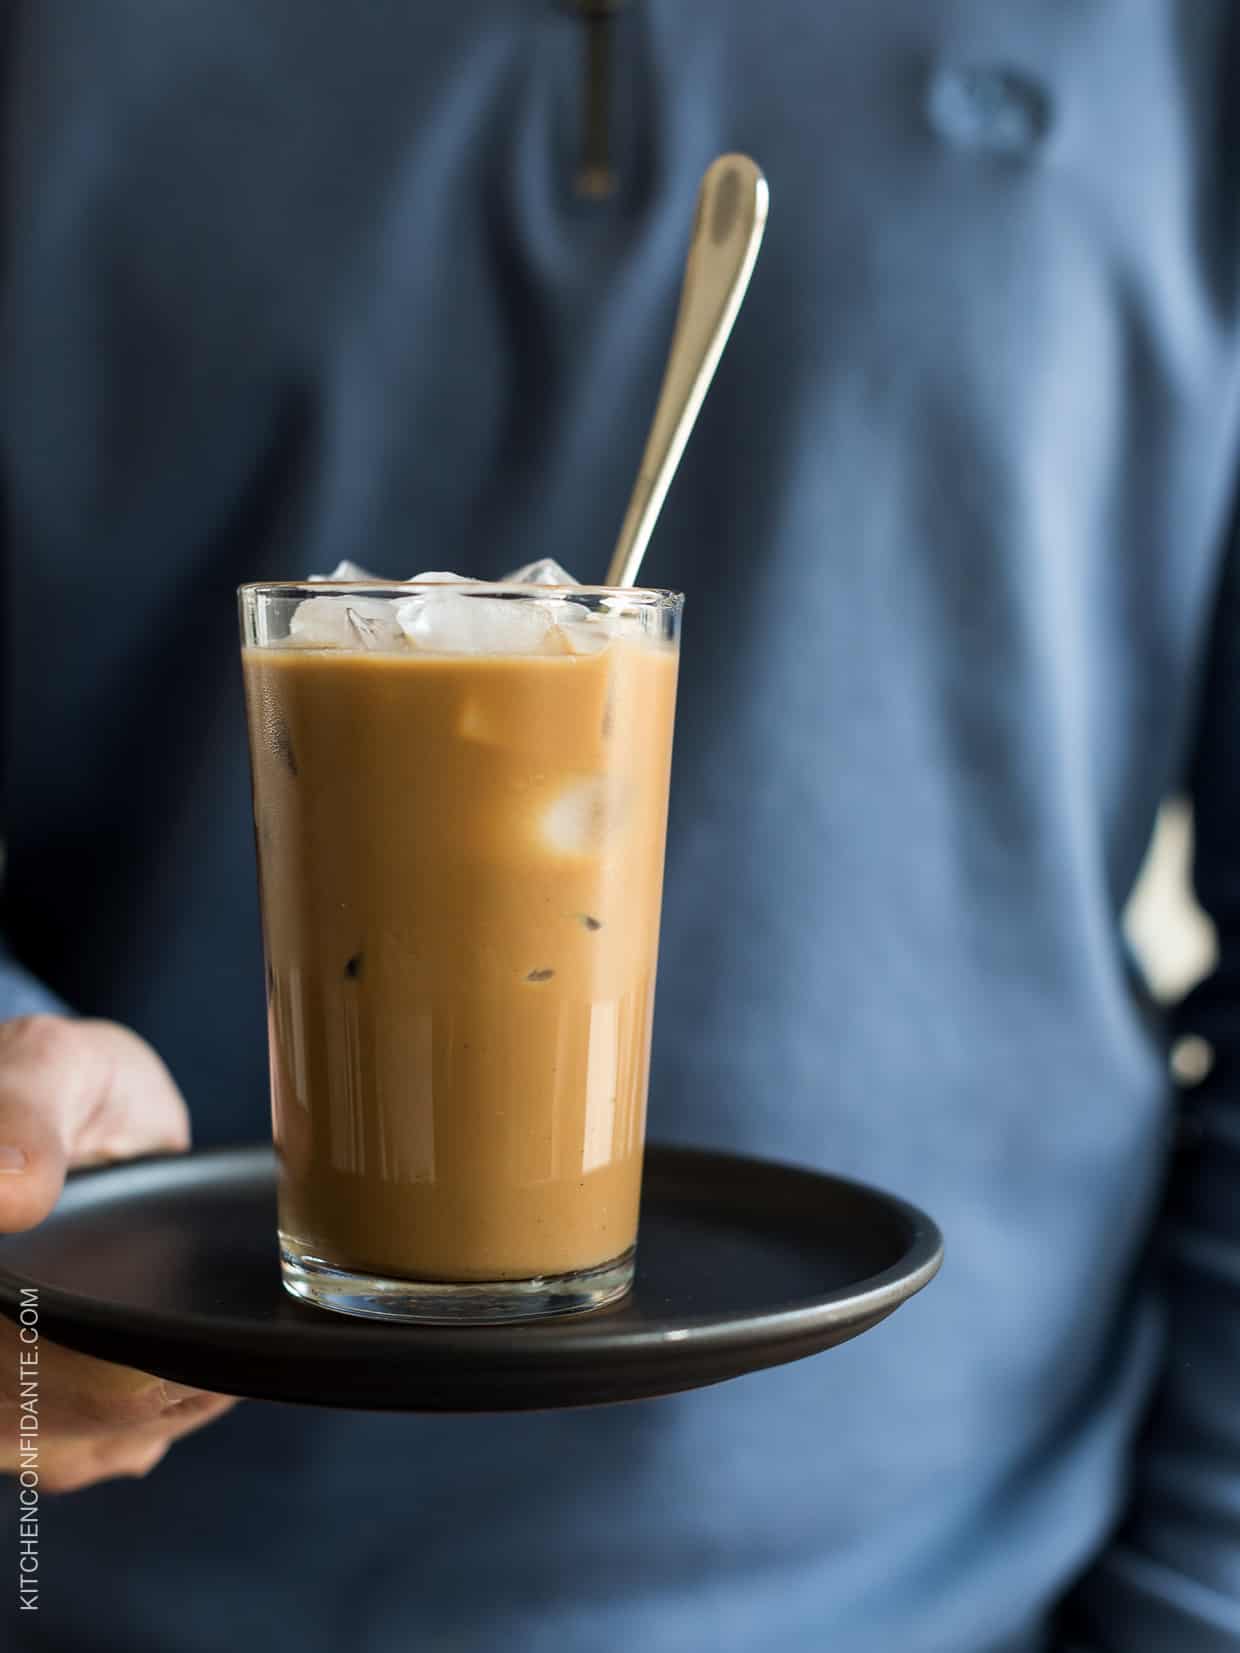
column 595, row 178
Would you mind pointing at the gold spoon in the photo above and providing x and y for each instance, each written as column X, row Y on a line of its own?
column 727, row 231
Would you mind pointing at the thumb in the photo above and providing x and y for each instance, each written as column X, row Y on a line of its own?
column 72, row 1093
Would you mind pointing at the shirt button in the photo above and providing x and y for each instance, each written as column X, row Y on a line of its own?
column 990, row 107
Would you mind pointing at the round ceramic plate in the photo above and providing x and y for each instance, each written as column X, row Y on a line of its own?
column 170, row 1265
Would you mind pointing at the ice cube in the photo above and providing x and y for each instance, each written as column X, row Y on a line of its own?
column 581, row 817
column 344, row 622
column 344, row 571
column 583, row 630
column 451, row 623
column 546, row 571
column 437, row 577
column 372, row 633
column 564, row 613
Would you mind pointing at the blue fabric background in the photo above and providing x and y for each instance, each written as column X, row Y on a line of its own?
column 289, row 283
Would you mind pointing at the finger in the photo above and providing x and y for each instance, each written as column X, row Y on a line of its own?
column 194, row 1412
column 74, row 1465
column 172, row 1417
column 134, row 1107
column 79, row 1392
column 81, row 1398
column 71, row 1092
column 89, row 1463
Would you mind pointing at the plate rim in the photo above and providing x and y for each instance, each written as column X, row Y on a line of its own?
column 574, row 1340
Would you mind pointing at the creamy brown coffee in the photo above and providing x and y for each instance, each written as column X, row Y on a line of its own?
column 461, row 862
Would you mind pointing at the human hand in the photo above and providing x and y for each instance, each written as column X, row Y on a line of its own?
column 78, row 1093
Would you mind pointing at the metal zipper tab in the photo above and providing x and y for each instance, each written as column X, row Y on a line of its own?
column 595, row 177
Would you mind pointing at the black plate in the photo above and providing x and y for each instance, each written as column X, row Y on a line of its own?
column 169, row 1264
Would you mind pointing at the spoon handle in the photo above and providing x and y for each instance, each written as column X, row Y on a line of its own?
column 727, row 231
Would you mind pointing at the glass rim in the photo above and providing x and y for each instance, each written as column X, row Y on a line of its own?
column 647, row 596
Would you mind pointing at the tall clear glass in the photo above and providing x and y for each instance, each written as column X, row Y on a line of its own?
column 460, row 805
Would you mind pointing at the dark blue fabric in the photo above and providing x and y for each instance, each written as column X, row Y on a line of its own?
column 300, row 281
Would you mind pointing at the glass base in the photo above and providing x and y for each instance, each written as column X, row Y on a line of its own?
column 444, row 1302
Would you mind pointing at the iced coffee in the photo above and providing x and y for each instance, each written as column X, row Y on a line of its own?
column 460, row 800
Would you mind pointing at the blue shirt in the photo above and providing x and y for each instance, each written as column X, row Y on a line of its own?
column 291, row 283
